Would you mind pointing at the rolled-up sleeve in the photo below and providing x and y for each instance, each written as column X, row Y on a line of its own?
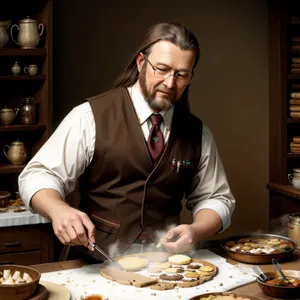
column 210, row 188
column 63, row 158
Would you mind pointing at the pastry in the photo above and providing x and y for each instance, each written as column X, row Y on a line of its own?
column 179, row 259
column 133, row 263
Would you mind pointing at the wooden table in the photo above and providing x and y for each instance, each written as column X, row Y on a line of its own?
column 251, row 289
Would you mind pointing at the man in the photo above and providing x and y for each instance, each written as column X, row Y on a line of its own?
column 136, row 152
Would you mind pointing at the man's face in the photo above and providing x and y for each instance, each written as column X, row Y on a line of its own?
column 161, row 93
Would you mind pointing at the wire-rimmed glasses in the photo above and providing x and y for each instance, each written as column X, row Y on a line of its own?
column 164, row 73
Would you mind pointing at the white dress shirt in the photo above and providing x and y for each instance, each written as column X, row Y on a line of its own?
column 70, row 149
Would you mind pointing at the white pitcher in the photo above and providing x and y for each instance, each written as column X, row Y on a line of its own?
column 15, row 152
column 29, row 35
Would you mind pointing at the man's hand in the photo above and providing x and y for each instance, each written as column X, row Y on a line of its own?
column 72, row 227
column 180, row 239
column 185, row 237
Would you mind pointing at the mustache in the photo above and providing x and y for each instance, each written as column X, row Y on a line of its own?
column 163, row 89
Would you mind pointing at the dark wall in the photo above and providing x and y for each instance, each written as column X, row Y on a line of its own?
column 93, row 40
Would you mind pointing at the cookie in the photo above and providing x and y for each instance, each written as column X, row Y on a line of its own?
column 174, row 270
column 133, row 263
column 163, row 286
column 193, row 266
column 164, row 265
column 206, row 276
column 187, row 283
column 175, row 277
column 179, row 259
column 206, row 269
column 192, row 275
column 154, row 270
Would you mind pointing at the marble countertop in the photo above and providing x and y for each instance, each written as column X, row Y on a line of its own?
column 9, row 218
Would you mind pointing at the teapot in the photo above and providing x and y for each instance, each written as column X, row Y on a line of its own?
column 294, row 178
column 3, row 32
column 7, row 115
column 29, row 35
column 16, row 153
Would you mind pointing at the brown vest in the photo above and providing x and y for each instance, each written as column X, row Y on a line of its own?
column 121, row 190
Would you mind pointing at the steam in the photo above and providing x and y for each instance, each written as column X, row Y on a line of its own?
column 279, row 225
column 114, row 249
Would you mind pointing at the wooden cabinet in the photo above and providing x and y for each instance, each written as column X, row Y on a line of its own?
column 26, row 245
column 284, row 79
column 30, row 244
column 14, row 89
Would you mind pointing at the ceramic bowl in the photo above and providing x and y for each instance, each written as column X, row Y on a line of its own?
column 281, row 292
column 94, row 294
column 23, row 290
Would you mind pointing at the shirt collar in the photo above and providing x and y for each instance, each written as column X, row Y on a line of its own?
column 142, row 108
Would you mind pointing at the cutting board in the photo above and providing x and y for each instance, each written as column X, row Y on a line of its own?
column 143, row 278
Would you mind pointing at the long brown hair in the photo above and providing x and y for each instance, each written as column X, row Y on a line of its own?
column 175, row 33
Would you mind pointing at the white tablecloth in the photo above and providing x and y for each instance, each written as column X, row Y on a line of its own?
column 83, row 280
column 20, row 218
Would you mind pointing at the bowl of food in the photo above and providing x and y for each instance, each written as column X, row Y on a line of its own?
column 18, row 282
column 277, row 287
column 258, row 248
column 94, row 295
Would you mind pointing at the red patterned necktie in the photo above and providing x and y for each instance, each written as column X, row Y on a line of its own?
column 156, row 138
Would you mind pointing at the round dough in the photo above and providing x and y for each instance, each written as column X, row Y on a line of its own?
column 56, row 291
column 179, row 259
column 133, row 263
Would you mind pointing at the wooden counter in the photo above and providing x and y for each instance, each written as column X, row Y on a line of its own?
column 251, row 289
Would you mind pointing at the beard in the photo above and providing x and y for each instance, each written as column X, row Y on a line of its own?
column 157, row 103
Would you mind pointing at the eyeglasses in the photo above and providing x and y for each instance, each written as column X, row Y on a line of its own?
column 164, row 73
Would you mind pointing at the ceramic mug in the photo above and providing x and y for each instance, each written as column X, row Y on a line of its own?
column 31, row 69
column 294, row 178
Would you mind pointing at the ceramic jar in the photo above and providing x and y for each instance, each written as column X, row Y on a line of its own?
column 16, row 68
column 28, row 111
column 29, row 33
column 294, row 178
column 4, row 198
column 294, row 228
column 3, row 32
column 7, row 115
column 16, row 152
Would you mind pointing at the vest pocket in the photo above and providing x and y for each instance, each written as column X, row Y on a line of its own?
column 106, row 224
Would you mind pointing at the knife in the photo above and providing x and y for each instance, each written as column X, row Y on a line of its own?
column 115, row 263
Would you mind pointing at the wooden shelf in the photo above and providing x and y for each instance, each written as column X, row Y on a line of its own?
column 293, row 155
column 23, row 52
column 23, row 77
column 293, row 76
column 284, row 189
column 19, row 127
column 9, row 168
column 293, row 120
